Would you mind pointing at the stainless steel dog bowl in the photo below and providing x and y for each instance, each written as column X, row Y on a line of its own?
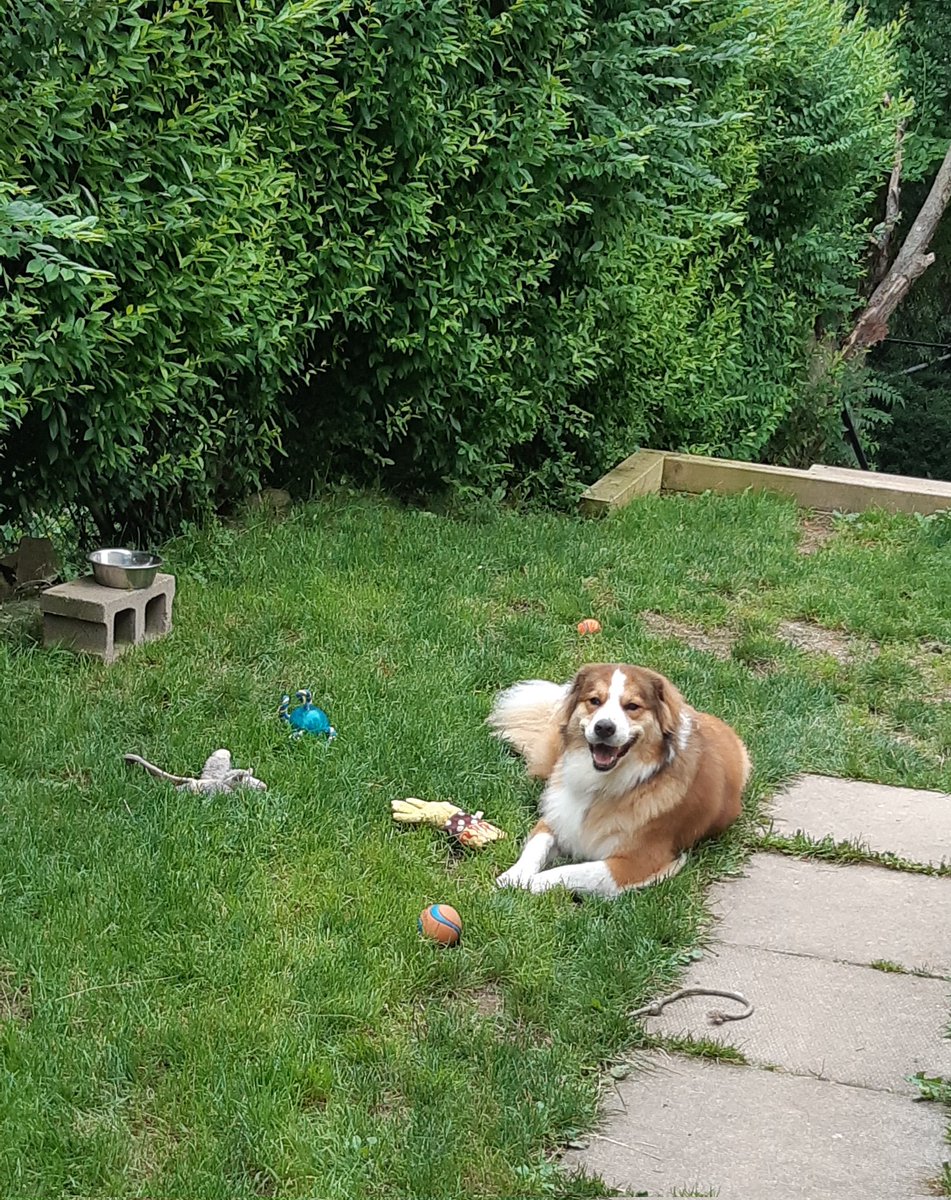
column 127, row 569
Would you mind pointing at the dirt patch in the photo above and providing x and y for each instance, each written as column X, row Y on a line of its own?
column 937, row 688
column 15, row 1003
column 933, row 660
column 815, row 531
column 392, row 1106
column 524, row 607
column 486, row 1001
column 814, row 639
column 601, row 592
column 151, row 1142
column 718, row 642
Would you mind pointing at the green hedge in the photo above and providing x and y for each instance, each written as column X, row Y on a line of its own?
column 924, row 60
column 490, row 245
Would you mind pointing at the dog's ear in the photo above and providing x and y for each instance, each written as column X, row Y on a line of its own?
column 668, row 705
column 576, row 690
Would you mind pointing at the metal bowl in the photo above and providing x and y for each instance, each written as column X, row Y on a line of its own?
column 127, row 569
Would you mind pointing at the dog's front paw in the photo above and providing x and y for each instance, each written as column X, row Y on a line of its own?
column 515, row 877
column 544, row 881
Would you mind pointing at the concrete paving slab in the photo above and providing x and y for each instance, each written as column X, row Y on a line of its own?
column 689, row 1125
column 854, row 913
column 853, row 1025
column 912, row 824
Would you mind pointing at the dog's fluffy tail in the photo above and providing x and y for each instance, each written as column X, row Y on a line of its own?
column 528, row 717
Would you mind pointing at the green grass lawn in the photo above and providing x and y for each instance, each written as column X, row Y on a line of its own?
column 227, row 997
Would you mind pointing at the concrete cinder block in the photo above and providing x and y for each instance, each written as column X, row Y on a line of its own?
column 91, row 619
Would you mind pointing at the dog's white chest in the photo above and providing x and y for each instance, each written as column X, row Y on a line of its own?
column 565, row 807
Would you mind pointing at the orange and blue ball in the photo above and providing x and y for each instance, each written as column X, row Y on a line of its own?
column 441, row 923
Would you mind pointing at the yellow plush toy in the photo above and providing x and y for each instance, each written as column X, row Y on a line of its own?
column 469, row 829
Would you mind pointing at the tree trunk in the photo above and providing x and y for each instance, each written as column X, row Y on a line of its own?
column 911, row 262
column 892, row 213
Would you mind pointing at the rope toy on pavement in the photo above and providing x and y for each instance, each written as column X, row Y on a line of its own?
column 715, row 1016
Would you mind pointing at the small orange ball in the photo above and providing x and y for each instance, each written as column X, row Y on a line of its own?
column 441, row 923
column 589, row 625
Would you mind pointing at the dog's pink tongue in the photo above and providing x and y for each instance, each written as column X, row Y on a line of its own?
column 603, row 755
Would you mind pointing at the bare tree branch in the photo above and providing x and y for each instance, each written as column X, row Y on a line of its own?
column 911, row 262
column 925, row 365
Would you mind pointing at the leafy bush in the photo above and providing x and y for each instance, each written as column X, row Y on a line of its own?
column 720, row 158
column 467, row 242
column 149, row 385
column 918, row 439
column 924, row 59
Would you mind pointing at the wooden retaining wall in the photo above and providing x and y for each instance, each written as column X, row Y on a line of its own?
column 832, row 489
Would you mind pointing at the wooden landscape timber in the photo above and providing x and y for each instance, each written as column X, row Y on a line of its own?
column 828, row 489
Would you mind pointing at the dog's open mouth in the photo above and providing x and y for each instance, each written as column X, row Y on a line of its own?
column 605, row 757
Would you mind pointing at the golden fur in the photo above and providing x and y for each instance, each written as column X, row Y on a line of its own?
column 629, row 805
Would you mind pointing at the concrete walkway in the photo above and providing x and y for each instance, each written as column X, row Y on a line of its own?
column 848, row 967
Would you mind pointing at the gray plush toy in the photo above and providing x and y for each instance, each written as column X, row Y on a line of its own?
column 217, row 775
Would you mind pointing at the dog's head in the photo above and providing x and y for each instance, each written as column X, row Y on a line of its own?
column 612, row 709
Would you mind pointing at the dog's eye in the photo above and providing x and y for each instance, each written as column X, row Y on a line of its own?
column 594, row 701
column 631, row 707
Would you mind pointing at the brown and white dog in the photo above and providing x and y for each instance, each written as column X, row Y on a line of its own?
column 635, row 777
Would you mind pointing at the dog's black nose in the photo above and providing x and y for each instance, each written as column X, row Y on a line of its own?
column 604, row 729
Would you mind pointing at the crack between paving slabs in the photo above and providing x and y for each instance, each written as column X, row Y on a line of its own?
column 918, row 973
column 773, row 1069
